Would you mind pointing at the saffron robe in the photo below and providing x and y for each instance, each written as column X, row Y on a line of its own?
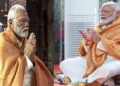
column 13, row 62
column 110, row 38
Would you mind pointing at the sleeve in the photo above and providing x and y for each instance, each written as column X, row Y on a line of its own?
column 101, row 47
column 84, row 47
column 29, row 65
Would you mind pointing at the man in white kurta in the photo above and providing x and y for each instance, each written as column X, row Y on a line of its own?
column 75, row 68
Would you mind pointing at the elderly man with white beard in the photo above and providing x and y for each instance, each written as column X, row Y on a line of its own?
column 99, row 51
column 19, row 66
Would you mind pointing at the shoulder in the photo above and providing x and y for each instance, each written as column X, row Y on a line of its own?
column 3, row 39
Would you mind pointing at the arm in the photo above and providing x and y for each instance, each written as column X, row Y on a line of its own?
column 29, row 65
column 81, row 49
column 30, row 48
column 90, row 36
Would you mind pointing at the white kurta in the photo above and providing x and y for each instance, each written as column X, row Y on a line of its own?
column 29, row 72
column 75, row 68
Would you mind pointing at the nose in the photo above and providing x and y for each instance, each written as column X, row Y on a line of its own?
column 102, row 13
column 27, row 24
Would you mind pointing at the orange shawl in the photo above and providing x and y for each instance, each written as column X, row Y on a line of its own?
column 13, row 62
column 110, row 38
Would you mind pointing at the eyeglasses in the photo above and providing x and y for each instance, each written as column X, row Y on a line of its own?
column 22, row 20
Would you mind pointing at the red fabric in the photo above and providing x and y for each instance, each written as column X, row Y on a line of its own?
column 58, row 33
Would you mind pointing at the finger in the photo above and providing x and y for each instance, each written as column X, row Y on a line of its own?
column 34, row 41
column 34, row 45
column 92, row 31
column 88, row 29
column 30, row 37
column 33, row 37
column 84, row 33
column 81, row 31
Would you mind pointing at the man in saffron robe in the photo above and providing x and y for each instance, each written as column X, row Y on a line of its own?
column 99, row 51
column 19, row 66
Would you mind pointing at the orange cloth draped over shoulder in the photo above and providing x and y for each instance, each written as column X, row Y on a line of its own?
column 110, row 38
column 13, row 62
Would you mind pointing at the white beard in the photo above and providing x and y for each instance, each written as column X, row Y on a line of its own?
column 107, row 20
column 21, row 32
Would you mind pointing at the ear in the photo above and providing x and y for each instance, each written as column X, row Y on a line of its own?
column 10, row 21
column 118, row 13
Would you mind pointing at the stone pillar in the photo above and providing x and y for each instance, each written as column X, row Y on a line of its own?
column 40, row 13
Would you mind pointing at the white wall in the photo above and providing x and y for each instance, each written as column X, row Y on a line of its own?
column 82, row 7
column 79, row 14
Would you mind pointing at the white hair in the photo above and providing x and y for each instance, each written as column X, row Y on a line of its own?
column 115, row 5
column 13, row 10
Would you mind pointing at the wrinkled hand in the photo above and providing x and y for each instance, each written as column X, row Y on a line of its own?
column 30, row 47
column 90, row 35
column 86, row 35
column 96, row 37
